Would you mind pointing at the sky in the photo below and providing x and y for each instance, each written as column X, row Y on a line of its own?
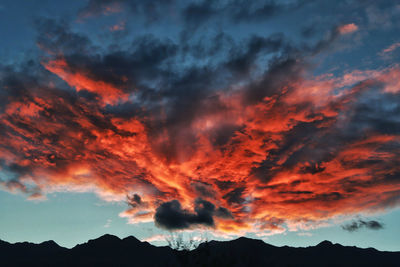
column 271, row 119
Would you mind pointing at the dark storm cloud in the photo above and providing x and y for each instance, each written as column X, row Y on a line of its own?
column 235, row 196
column 223, row 213
column 150, row 66
column 194, row 13
column 149, row 69
column 359, row 224
column 313, row 168
column 282, row 70
column 224, row 185
column 270, row 166
column 56, row 37
column 151, row 10
column 204, row 189
column 145, row 61
column 236, row 11
column 135, row 201
column 243, row 58
column 171, row 216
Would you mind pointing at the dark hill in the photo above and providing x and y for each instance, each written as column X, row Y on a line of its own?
column 110, row 250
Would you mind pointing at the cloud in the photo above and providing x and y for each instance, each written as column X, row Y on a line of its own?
column 204, row 189
column 235, row 134
column 347, row 28
column 136, row 201
column 389, row 49
column 102, row 7
column 358, row 224
column 171, row 216
column 118, row 27
column 193, row 13
column 236, row 11
column 108, row 92
column 108, row 223
column 151, row 10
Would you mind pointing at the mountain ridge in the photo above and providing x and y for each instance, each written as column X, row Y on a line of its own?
column 109, row 250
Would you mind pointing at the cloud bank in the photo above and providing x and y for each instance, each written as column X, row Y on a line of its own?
column 236, row 134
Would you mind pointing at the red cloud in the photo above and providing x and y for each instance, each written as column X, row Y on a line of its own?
column 286, row 159
column 347, row 28
column 81, row 81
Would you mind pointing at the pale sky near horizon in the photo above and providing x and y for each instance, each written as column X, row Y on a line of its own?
column 71, row 219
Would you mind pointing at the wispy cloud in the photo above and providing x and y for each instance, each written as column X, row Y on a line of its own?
column 389, row 49
column 108, row 223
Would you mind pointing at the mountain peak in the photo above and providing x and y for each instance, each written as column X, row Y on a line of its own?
column 107, row 238
column 131, row 239
column 49, row 244
column 244, row 238
column 248, row 240
column 325, row 243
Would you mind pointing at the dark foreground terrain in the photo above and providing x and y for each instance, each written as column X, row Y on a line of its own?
column 109, row 250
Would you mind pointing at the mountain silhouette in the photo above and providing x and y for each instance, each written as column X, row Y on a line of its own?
column 109, row 250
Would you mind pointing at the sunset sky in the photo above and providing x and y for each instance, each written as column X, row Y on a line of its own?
column 271, row 119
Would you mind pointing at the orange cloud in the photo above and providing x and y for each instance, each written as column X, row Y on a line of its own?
column 81, row 81
column 288, row 159
column 118, row 27
column 347, row 28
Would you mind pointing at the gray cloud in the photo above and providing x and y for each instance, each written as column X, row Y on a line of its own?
column 360, row 223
